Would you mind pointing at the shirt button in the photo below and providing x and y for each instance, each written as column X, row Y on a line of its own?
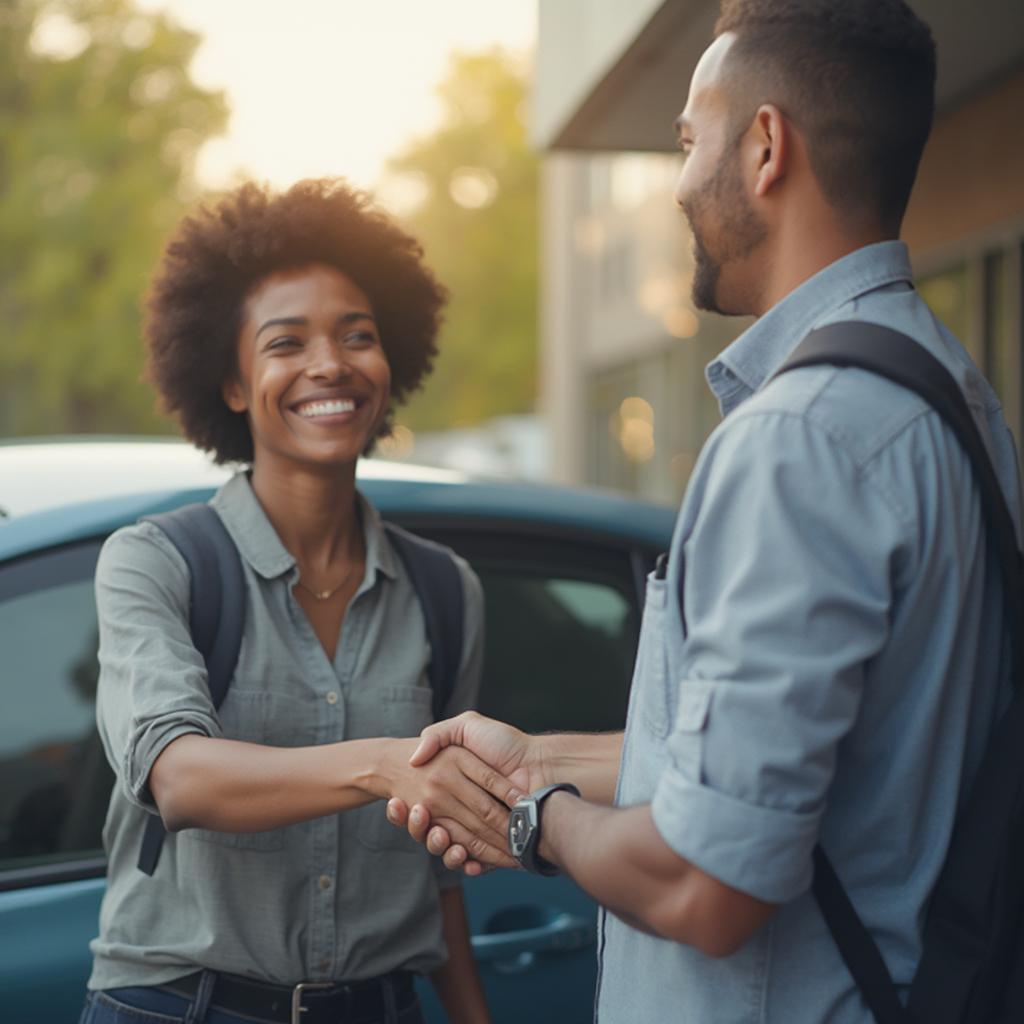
column 324, row 966
column 325, row 882
column 332, row 698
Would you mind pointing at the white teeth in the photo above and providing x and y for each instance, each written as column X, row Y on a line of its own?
column 329, row 408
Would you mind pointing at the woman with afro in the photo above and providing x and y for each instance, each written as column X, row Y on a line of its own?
column 282, row 330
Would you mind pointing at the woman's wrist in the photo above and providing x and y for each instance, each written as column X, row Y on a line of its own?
column 383, row 761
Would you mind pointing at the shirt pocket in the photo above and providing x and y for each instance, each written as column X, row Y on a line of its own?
column 246, row 715
column 401, row 711
column 686, row 744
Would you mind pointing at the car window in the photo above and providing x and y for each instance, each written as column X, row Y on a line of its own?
column 54, row 779
column 562, row 625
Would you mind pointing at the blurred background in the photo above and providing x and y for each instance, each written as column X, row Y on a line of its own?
column 528, row 145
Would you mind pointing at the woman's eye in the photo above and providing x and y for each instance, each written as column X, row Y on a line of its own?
column 288, row 341
column 360, row 338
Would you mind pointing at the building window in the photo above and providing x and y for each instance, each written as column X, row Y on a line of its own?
column 980, row 300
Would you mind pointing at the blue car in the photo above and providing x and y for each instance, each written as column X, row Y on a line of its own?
column 563, row 571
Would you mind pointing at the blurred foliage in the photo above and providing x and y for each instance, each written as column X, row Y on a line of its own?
column 478, row 224
column 99, row 127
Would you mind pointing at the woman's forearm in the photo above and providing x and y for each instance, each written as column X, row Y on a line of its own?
column 231, row 786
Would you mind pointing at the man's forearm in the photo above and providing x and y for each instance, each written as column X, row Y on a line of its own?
column 619, row 858
column 597, row 847
column 590, row 761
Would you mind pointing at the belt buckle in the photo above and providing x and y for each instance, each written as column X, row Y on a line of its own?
column 299, row 991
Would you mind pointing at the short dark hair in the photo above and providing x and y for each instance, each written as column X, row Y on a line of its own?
column 857, row 78
column 221, row 251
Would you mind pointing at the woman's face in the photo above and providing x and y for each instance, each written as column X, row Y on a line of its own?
column 312, row 376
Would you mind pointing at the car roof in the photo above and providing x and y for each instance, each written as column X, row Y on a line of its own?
column 40, row 473
column 413, row 494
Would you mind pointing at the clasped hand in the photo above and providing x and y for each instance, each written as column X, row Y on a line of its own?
column 513, row 760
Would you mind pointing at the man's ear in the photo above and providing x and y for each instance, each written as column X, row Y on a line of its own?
column 233, row 395
column 771, row 139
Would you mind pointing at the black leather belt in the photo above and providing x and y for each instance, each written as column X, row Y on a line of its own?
column 310, row 1002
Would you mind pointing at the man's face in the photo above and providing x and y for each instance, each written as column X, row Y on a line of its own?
column 711, row 192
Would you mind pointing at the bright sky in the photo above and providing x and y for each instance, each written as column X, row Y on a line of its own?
column 333, row 86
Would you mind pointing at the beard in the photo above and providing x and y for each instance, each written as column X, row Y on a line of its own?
column 726, row 230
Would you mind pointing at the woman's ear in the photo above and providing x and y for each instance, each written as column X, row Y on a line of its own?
column 233, row 395
column 770, row 134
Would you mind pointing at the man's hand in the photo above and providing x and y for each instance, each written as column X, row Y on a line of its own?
column 516, row 757
column 511, row 752
column 466, row 797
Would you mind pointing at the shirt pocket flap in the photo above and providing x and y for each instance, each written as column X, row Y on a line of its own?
column 694, row 702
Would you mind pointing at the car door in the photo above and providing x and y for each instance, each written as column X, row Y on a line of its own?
column 54, row 783
column 563, row 618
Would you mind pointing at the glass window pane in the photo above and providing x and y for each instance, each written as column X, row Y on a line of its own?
column 559, row 651
column 948, row 297
column 54, row 779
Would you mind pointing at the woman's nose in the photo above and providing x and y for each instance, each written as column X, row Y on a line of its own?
column 327, row 360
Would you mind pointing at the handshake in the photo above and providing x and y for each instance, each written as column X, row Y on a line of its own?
column 454, row 792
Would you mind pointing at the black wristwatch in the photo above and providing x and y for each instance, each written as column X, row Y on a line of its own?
column 524, row 829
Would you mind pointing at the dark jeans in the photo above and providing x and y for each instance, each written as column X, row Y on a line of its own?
column 151, row 1006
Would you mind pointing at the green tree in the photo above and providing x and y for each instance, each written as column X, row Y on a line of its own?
column 99, row 127
column 478, row 224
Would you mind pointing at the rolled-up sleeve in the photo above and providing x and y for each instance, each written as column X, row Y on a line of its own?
column 790, row 561
column 153, row 683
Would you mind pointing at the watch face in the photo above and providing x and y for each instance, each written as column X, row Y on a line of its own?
column 518, row 832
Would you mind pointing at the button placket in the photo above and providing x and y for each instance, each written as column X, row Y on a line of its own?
column 328, row 726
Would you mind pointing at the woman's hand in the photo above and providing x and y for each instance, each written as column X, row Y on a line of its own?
column 456, row 790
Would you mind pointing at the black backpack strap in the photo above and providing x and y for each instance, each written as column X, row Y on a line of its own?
column 216, row 615
column 856, row 946
column 438, row 584
column 893, row 355
column 899, row 358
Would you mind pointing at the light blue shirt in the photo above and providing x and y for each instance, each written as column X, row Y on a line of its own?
column 834, row 665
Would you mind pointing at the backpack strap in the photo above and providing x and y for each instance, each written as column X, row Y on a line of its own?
column 216, row 615
column 902, row 360
column 438, row 584
column 898, row 358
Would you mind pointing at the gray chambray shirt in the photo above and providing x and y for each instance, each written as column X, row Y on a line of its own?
column 345, row 896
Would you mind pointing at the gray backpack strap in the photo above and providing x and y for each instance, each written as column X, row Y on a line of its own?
column 438, row 584
column 216, row 615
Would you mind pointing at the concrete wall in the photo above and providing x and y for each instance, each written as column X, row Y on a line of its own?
column 972, row 175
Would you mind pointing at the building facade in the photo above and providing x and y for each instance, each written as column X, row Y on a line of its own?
column 623, row 349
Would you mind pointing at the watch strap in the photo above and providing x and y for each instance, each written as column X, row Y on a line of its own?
column 531, row 858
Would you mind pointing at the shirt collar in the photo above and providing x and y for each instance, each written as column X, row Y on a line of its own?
column 258, row 543
column 759, row 351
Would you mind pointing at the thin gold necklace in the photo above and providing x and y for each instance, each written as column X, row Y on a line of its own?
column 326, row 595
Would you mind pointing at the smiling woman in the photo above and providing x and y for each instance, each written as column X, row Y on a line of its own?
column 313, row 380
column 282, row 329
column 220, row 255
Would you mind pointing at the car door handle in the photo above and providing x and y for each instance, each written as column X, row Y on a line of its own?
column 514, row 950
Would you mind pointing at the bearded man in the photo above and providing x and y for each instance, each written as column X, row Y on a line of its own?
column 824, row 659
